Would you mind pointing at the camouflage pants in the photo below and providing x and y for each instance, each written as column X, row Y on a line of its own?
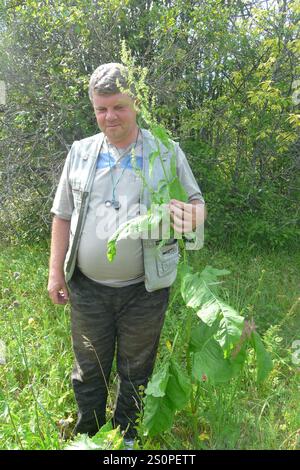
column 104, row 319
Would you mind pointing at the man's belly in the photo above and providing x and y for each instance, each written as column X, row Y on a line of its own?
column 92, row 260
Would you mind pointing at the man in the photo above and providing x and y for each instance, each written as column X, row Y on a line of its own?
column 122, row 303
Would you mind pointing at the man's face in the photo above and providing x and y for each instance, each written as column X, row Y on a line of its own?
column 116, row 117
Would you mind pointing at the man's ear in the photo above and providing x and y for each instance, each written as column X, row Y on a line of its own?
column 137, row 102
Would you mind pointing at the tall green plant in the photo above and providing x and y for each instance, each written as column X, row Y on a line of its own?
column 216, row 348
column 215, row 352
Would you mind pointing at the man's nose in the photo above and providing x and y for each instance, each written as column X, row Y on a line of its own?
column 110, row 115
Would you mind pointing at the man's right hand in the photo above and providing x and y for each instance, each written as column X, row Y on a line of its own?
column 57, row 289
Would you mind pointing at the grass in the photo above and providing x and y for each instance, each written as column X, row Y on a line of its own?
column 35, row 386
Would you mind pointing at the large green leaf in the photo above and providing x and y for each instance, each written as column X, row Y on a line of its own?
column 200, row 337
column 238, row 360
column 167, row 392
column 263, row 358
column 157, row 386
column 106, row 438
column 177, row 190
column 83, row 442
column 200, row 334
column 193, row 289
column 210, row 363
column 179, row 387
column 230, row 324
column 197, row 288
column 158, row 415
column 211, row 274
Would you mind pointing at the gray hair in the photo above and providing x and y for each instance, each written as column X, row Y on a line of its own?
column 107, row 80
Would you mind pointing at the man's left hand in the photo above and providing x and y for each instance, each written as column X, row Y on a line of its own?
column 185, row 217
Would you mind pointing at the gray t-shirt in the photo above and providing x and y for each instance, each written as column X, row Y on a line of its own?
column 115, row 168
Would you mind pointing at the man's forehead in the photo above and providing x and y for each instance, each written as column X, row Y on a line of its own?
column 112, row 99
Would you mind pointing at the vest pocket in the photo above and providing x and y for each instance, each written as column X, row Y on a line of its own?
column 160, row 264
column 167, row 258
column 77, row 193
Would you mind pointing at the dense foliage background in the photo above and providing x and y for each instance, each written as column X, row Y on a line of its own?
column 226, row 77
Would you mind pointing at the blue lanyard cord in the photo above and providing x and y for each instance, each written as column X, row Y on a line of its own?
column 125, row 168
column 112, row 179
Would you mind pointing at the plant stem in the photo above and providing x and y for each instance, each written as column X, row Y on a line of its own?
column 14, row 426
column 195, row 431
column 187, row 342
